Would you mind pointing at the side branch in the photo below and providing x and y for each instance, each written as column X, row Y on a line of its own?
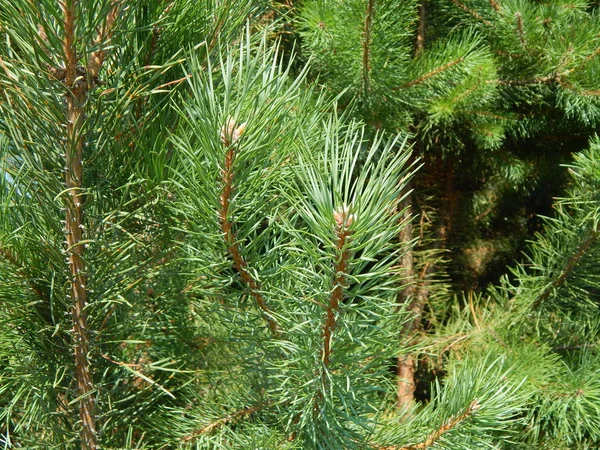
column 583, row 248
column 97, row 58
column 437, row 434
column 229, row 136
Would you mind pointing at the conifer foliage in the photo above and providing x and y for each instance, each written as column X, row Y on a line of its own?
column 206, row 243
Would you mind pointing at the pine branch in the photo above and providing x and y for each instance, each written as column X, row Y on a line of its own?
column 575, row 258
column 433, row 73
column 21, row 271
column 472, row 12
column 495, row 5
column 223, row 421
column 366, row 59
column 229, row 136
column 437, row 434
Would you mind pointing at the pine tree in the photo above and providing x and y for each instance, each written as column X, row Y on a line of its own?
column 86, row 239
column 495, row 94
column 200, row 247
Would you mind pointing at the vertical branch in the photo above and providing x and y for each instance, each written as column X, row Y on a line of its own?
column 405, row 364
column 417, row 296
column 75, row 99
column 406, row 367
column 520, row 30
column 229, row 135
column 420, row 44
column 343, row 220
column 366, row 57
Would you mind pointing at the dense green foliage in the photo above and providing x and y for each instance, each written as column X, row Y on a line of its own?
column 328, row 225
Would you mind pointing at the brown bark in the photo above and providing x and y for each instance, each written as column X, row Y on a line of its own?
column 405, row 369
column 343, row 220
column 366, row 54
column 416, row 294
column 78, row 81
column 405, row 364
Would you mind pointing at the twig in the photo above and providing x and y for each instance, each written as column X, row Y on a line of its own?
column 554, row 77
column 104, row 35
column 130, row 367
column 170, row 83
column 460, row 338
column 472, row 308
column 539, row 80
column 156, row 32
column 520, row 31
column 343, row 220
column 562, row 348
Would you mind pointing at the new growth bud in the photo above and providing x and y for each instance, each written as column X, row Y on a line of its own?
column 343, row 218
column 230, row 133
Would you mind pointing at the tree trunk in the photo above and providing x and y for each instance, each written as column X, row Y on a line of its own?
column 405, row 364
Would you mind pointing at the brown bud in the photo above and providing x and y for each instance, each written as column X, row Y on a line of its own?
column 343, row 218
column 230, row 133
